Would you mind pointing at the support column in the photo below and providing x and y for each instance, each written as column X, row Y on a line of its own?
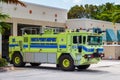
column 15, row 29
column 0, row 45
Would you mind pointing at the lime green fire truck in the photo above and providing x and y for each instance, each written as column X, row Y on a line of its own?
column 67, row 49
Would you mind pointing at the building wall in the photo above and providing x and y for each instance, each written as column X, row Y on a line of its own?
column 89, row 23
column 36, row 12
column 109, row 52
column 75, row 23
column 112, row 52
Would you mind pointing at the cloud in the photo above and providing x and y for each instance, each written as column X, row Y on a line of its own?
column 73, row 1
column 117, row 3
column 66, row 1
column 77, row 1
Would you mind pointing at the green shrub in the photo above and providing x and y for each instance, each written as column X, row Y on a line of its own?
column 3, row 62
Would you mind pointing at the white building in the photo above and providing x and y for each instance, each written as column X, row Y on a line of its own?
column 35, row 14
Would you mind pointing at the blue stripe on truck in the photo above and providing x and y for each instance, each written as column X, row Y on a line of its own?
column 13, row 45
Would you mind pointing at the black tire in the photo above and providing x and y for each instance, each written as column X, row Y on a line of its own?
column 84, row 67
column 35, row 64
column 17, row 60
column 66, row 66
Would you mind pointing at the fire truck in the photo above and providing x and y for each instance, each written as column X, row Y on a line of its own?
column 68, row 50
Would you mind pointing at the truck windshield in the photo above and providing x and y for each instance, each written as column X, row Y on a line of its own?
column 94, row 40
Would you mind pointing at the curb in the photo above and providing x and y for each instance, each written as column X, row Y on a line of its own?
column 2, row 69
column 7, row 68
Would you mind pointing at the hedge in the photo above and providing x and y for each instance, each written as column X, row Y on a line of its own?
column 3, row 62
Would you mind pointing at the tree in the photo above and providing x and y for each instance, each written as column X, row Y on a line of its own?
column 90, row 11
column 3, row 17
column 116, row 17
column 3, row 25
column 87, row 11
column 76, row 12
column 107, row 12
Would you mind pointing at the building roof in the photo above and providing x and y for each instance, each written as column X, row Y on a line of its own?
column 39, row 5
column 87, row 19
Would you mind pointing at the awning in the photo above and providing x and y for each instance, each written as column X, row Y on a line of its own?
column 118, row 35
column 104, row 38
column 110, row 35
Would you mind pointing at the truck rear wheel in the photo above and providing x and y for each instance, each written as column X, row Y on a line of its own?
column 83, row 66
column 35, row 64
column 17, row 60
column 66, row 63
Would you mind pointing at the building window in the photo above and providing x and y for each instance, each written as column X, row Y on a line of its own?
column 28, row 29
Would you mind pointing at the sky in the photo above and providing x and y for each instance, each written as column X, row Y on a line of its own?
column 67, row 4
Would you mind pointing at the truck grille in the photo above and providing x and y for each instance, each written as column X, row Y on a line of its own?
column 96, row 55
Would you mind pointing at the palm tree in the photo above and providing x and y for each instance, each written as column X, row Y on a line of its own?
column 3, row 25
column 13, row 2
column 116, row 17
column 3, row 17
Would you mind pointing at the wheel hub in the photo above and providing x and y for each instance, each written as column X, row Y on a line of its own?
column 17, row 60
column 66, row 63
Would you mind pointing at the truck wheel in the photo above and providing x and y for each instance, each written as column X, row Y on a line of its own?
column 66, row 63
column 35, row 64
column 17, row 60
column 83, row 66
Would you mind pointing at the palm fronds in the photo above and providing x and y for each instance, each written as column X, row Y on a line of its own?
column 13, row 2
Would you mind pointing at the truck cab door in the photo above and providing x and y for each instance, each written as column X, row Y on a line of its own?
column 77, row 44
column 74, row 44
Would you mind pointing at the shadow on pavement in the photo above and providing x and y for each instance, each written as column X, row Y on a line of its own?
column 94, row 71
column 42, row 67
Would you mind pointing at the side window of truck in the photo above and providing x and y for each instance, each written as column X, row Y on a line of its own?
column 75, row 39
column 80, row 39
column 84, row 39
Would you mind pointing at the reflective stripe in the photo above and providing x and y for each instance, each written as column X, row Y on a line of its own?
column 62, row 46
column 55, row 46
column 25, row 46
column 13, row 45
column 44, row 46
column 90, row 49
column 43, row 39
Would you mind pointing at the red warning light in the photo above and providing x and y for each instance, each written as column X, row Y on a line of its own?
column 30, row 11
column 55, row 15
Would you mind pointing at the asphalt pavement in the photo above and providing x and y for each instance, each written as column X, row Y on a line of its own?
column 104, row 70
